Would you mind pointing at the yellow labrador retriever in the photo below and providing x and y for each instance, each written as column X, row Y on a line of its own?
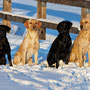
column 82, row 44
column 30, row 44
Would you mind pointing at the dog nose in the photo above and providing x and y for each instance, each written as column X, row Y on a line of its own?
column 81, row 26
column 34, row 26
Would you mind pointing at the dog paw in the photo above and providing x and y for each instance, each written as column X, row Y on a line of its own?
column 36, row 63
column 10, row 64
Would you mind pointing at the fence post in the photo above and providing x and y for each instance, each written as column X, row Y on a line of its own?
column 7, row 8
column 83, row 13
column 41, row 13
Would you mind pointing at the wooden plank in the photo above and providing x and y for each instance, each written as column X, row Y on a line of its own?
column 78, row 3
column 7, row 7
column 43, row 5
column 41, row 13
column 22, row 19
column 41, row 9
column 83, row 13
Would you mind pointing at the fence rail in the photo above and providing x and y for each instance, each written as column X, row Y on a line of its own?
column 20, row 18
column 77, row 3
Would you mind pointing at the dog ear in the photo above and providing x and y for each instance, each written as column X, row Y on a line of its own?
column 5, row 28
column 39, row 24
column 69, row 24
column 26, row 24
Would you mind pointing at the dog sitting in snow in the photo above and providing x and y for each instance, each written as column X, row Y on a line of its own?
column 60, row 48
column 81, row 43
column 30, row 44
column 4, row 45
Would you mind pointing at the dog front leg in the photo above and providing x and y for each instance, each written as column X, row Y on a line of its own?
column 80, row 57
column 24, row 59
column 57, row 64
column 57, row 60
column 30, row 61
column 36, row 57
column 89, row 58
column 9, row 59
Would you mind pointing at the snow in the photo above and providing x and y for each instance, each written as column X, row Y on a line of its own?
column 41, row 77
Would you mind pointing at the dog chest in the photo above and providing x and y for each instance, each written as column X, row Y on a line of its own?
column 30, row 53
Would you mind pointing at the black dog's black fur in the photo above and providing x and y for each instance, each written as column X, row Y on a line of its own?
column 60, row 48
column 4, row 45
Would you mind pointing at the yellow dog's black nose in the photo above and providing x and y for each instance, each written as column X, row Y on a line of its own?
column 81, row 26
column 34, row 26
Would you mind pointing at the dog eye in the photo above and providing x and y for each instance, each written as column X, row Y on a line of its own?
column 36, row 23
column 86, row 22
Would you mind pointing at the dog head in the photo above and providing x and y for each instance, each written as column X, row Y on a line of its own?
column 85, row 23
column 32, row 24
column 3, row 30
column 64, row 26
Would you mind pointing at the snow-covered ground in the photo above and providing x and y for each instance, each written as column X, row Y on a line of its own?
column 40, row 77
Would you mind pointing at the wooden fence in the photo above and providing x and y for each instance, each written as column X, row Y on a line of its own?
column 41, row 14
column 77, row 3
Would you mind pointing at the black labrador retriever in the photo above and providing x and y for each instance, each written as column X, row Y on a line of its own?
column 61, row 47
column 4, row 45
